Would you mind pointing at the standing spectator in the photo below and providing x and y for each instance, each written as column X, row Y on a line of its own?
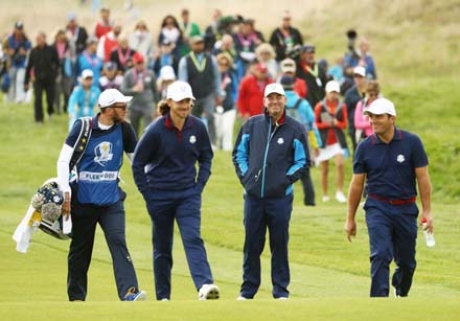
column 251, row 92
column 246, row 42
column 83, row 100
column 314, row 76
column 390, row 162
column 63, row 78
column 171, row 32
column 111, row 78
column 352, row 97
column 17, row 49
column 266, row 55
column 331, row 120
column 142, row 42
column 285, row 37
column 363, row 127
column 299, row 109
column 166, row 78
column 78, row 41
column 88, row 59
column 109, row 42
column 165, row 172
column 122, row 55
column 96, row 197
column 165, row 58
column 362, row 57
column 141, row 84
column 189, row 29
column 227, row 45
column 226, row 113
column 212, row 32
column 105, row 25
column 252, row 30
column 288, row 68
column 200, row 70
column 270, row 154
column 44, row 62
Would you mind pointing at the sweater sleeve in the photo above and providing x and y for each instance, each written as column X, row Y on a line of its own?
column 143, row 154
column 204, row 159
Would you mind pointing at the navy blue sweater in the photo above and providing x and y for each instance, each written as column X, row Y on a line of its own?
column 165, row 157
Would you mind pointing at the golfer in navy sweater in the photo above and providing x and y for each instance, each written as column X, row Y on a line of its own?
column 164, row 172
column 270, row 154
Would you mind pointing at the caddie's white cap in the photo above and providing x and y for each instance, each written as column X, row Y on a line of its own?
column 167, row 73
column 380, row 106
column 179, row 90
column 360, row 71
column 110, row 97
column 274, row 88
column 87, row 73
column 333, row 86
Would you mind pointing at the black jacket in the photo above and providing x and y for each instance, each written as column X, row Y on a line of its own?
column 45, row 63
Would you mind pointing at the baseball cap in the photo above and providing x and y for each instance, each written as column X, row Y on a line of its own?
column 288, row 65
column 287, row 82
column 71, row 16
column 110, row 97
column 381, row 106
column 360, row 71
column 196, row 39
column 91, row 39
column 87, row 73
column 274, row 88
column 179, row 90
column 167, row 73
column 138, row 58
column 19, row 25
column 332, row 86
column 110, row 65
column 308, row 48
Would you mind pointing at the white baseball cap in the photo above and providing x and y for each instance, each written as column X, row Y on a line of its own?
column 87, row 73
column 167, row 73
column 179, row 90
column 333, row 86
column 359, row 70
column 381, row 106
column 288, row 65
column 110, row 97
column 274, row 88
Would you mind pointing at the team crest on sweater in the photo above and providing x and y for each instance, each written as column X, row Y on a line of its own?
column 103, row 153
column 192, row 139
column 280, row 141
column 400, row 158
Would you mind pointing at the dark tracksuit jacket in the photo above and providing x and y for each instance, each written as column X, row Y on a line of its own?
column 269, row 157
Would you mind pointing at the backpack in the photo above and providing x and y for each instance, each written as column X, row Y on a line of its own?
column 294, row 111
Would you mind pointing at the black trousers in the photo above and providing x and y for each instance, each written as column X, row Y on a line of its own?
column 47, row 85
column 308, row 189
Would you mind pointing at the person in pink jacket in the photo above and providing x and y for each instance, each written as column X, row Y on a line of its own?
column 362, row 125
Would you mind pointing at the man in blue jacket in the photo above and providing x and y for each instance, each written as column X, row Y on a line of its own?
column 270, row 154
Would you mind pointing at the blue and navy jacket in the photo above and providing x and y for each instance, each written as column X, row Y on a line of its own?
column 269, row 157
column 99, row 167
column 165, row 157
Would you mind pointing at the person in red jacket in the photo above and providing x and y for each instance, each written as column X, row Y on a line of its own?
column 251, row 91
column 331, row 120
column 105, row 25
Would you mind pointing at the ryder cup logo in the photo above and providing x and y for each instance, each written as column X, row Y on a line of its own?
column 280, row 141
column 400, row 158
column 192, row 139
column 103, row 153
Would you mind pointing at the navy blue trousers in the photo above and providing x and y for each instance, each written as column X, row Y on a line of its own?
column 392, row 235
column 84, row 222
column 260, row 214
column 164, row 208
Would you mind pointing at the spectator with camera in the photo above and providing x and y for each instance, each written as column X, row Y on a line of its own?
column 285, row 37
column 310, row 71
column 18, row 46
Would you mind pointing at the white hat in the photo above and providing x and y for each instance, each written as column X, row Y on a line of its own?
column 381, row 106
column 179, row 90
column 87, row 73
column 110, row 97
column 274, row 88
column 333, row 86
column 359, row 70
column 288, row 65
column 167, row 73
